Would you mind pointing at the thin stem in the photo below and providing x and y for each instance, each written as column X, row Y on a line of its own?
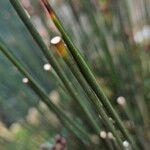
column 49, row 55
column 70, row 63
column 72, row 126
column 89, row 76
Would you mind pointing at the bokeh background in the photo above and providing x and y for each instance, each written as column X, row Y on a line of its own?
column 25, row 121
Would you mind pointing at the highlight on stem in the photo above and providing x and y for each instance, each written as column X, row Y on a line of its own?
column 60, row 46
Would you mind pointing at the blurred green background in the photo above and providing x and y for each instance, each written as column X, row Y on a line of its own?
column 25, row 121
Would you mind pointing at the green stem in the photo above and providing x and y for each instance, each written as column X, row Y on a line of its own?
column 103, row 43
column 49, row 55
column 72, row 126
column 92, row 97
column 89, row 76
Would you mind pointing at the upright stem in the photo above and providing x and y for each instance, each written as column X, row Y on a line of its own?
column 72, row 126
column 89, row 76
column 100, row 110
column 49, row 55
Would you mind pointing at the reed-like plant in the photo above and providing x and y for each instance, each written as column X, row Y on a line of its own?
column 40, row 92
column 89, row 76
column 49, row 55
column 62, row 50
column 99, row 75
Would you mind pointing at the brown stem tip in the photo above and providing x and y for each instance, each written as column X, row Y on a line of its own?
column 60, row 45
column 48, row 8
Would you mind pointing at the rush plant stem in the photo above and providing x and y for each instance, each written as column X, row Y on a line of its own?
column 49, row 55
column 89, row 76
column 103, row 43
column 92, row 97
column 72, row 126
